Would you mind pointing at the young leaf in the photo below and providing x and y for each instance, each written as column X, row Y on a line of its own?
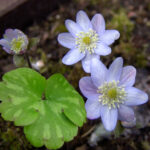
column 51, row 110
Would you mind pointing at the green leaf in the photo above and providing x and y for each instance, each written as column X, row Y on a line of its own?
column 61, row 92
column 20, row 90
column 51, row 110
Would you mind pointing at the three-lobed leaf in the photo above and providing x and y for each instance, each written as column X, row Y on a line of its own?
column 51, row 110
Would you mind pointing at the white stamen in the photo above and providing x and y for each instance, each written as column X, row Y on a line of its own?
column 17, row 44
column 87, row 41
column 112, row 95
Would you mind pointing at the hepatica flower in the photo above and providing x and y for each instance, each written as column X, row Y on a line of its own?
column 110, row 93
column 86, row 39
column 14, row 41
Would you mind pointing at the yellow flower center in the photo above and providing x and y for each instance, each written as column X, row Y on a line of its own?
column 111, row 94
column 87, row 40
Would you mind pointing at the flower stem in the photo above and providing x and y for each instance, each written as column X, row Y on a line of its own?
column 28, row 60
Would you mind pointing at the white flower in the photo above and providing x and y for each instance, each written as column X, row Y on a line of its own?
column 110, row 93
column 86, row 40
column 14, row 41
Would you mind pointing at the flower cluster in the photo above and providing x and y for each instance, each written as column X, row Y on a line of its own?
column 110, row 93
column 14, row 41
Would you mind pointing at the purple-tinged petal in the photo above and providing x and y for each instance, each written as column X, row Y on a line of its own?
column 98, row 24
column 115, row 70
column 66, row 40
column 25, row 38
column 10, row 34
column 110, row 36
column 5, row 45
column 98, row 72
column 73, row 27
column 87, row 88
column 83, row 20
column 109, row 117
column 128, row 75
column 86, row 62
column 135, row 97
column 8, row 50
column 93, row 108
column 102, row 49
column 72, row 57
column 125, row 113
column 130, row 124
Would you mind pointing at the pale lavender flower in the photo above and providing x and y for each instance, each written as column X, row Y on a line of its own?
column 110, row 93
column 14, row 41
column 86, row 39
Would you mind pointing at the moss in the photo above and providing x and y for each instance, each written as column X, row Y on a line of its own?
column 58, row 67
column 148, row 6
column 132, row 54
column 94, row 2
column 141, row 60
column 60, row 28
column 121, row 22
column 145, row 145
column 125, row 46
column 13, row 139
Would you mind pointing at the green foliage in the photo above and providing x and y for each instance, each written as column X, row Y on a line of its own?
column 61, row 28
column 33, row 42
column 94, row 2
column 122, row 23
column 19, row 61
column 126, row 47
column 51, row 110
column 118, row 130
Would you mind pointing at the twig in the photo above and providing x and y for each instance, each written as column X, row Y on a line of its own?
column 88, row 132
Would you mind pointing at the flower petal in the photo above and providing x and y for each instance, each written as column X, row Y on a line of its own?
column 5, row 45
column 21, row 34
column 87, row 87
column 102, row 49
column 66, row 40
column 72, row 57
column 125, row 113
column 72, row 27
column 83, row 20
column 98, row 72
column 109, row 117
column 110, row 36
column 128, row 76
column 130, row 124
column 135, row 97
column 98, row 24
column 10, row 34
column 86, row 62
column 93, row 109
column 115, row 70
